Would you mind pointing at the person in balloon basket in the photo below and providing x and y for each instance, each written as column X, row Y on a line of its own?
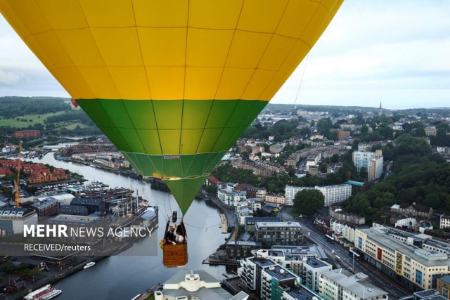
column 170, row 237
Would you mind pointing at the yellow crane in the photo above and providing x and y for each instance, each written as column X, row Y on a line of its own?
column 17, row 180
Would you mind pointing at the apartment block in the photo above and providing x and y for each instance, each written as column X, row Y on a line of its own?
column 419, row 260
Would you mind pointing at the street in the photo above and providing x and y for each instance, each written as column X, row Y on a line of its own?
column 341, row 256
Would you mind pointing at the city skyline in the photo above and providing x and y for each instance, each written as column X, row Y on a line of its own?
column 371, row 52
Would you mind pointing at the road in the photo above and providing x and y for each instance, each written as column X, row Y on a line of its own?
column 342, row 257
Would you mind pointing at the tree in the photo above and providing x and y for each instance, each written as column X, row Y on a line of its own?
column 307, row 202
column 324, row 125
column 364, row 129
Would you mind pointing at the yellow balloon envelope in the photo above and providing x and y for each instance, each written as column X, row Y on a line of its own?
column 172, row 83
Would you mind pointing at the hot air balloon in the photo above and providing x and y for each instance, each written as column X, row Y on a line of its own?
column 172, row 83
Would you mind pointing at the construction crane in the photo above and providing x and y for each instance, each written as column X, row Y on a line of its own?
column 17, row 180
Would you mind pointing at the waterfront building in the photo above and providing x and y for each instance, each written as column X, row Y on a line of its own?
column 332, row 193
column 271, row 233
column 62, row 199
column 240, row 249
column 75, row 220
column 372, row 162
column 13, row 219
column 194, row 285
column 419, row 260
column 340, row 284
column 250, row 222
column 243, row 211
column 46, row 207
column 73, row 210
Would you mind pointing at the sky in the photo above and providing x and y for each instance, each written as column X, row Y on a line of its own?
column 393, row 51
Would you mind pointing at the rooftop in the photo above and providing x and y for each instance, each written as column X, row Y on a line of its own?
column 354, row 283
column 196, row 285
column 445, row 279
column 278, row 224
column 429, row 295
column 15, row 212
column 262, row 262
column 316, row 263
column 280, row 273
column 423, row 256
column 299, row 294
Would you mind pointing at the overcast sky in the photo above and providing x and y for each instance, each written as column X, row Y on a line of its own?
column 394, row 51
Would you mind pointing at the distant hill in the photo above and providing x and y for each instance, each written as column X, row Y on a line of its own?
column 331, row 108
column 11, row 107
column 54, row 116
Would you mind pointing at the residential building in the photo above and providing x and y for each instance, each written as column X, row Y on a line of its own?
column 276, row 199
column 196, row 284
column 250, row 222
column 271, row 233
column 227, row 194
column 418, row 260
column 340, row 284
column 243, row 211
column 249, row 189
column 290, row 257
column 430, row 294
column 443, row 286
column 273, row 279
column 255, row 203
column 412, row 210
column 430, row 131
column 250, row 271
column 372, row 162
column 343, row 134
column 343, row 231
column 25, row 134
column 259, row 168
column 297, row 293
column 241, row 249
column 340, row 215
column 332, row 193
column 269, row 280
column 444, row 221
column 311, row 270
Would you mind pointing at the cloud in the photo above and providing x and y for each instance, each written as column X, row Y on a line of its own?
column 376, row 50
column 393, row 51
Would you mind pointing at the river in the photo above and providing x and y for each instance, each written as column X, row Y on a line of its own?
column 122, row 277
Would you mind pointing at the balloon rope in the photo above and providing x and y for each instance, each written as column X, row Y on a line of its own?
column 302, row 76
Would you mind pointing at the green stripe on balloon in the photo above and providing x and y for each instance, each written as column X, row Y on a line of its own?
column 184, row 190
column 173, row 139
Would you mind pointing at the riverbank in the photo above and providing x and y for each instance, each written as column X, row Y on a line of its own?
column 134, row 270
column 52, row 279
